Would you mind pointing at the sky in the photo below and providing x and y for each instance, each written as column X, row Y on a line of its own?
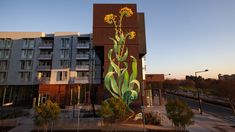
column 182, row 36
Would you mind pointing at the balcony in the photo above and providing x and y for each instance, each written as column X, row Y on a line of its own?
column 5, row 57
column 26, row 68
column 44, row 68
column 44, row 80
column 83, row 45
column 82, row 68
column 45, row 45
column 82, row 56
column 45, row 57
column 3, row 68
column 81, row 80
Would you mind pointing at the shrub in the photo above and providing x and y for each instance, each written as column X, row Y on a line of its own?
column 180, row 114
column 152, row 118
column 46, row 113
column 114, row 109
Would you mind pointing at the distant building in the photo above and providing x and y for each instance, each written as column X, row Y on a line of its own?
column 154, row 84
column 226, row 77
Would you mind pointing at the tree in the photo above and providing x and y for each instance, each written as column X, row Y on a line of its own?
column 171, row 85
column 226, row 88
column 180, row 114
column 188, row 83
column 46, row 113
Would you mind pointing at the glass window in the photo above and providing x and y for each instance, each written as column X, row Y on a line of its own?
column 64, row 63
column 25, row 44
column 7, row 54
column 64, row 54
column 8, row 43
column 3, row 76
column 30, row 54
column 1, row 54
column 23, row 54
column 61, row 76
column 31, row 43
column 65, row 43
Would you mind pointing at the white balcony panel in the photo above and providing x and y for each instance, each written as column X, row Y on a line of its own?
column 45, row 46
column 45, row 57
column 83, row 46
column 82, row 56
column 82, row 67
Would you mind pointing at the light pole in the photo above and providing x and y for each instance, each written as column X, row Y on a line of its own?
column 198, row 94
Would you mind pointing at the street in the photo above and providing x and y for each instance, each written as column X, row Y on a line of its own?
column 216, row 110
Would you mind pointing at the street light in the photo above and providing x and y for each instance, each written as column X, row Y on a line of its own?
column 167, row 74
column 198, row 95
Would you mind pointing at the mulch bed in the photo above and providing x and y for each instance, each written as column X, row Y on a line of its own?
column 5, row 128
column 99, row 130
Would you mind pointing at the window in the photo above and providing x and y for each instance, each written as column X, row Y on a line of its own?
column 3, row 65
column 5, row 43
column 82, row 74
column 28, row 43
column 25, row 76
column 64, row 54
column 8, row 43
column 26, row 64
column 27, row 54
column 61, row 76
column 44, row 63
column 65, row 43
column 4, row 54
column 44, row 75
column 3, row 76
column 64, row 63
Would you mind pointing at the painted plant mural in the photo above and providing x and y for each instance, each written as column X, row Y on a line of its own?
column 121, row 84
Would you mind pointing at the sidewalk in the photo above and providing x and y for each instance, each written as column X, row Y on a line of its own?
column 203, row 123
column 209, row 123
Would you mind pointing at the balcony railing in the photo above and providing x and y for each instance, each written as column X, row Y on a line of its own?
column 46, row 67
column 3, row 68
column 26, row 68
column 82, row 67
column 83, row 45
column 45, row 46
column 45, row 56
column 82, row 56
column 44, row 80
column 81, row 80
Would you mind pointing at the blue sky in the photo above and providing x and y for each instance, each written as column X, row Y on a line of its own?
column 183, row 36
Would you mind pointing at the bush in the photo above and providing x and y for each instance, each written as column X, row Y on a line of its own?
column 152, row 118
column 180, row 114
column 46, row 113
column 114, row 109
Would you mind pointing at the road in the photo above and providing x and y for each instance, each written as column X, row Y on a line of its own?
column 217, row 110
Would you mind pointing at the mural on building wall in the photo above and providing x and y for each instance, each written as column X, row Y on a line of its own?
column 120, row 83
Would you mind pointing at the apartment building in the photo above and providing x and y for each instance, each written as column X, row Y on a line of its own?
column 66, row 67
column 56, row 66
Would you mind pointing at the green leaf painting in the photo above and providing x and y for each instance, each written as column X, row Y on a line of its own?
column 118, row 81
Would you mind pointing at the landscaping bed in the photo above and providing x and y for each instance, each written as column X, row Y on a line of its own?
column 5, row 128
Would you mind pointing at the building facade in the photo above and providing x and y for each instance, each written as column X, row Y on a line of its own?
column 42, row 65
column 66, row 67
